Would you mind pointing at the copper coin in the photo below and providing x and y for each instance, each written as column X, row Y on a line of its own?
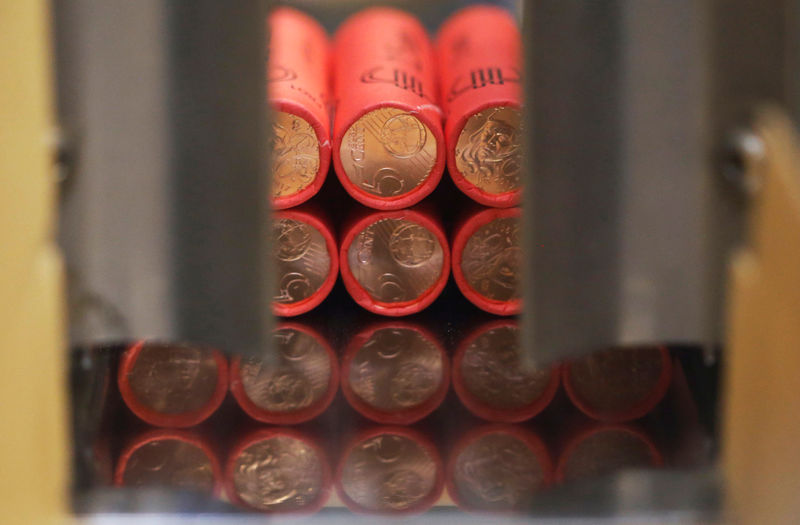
column 605, row 452
column 280, row 473
column 295, row 154
column 302, row 260
column 616, row 380
column 173, row 379
column 396, row 260
column 489, row 152
column 169, row 463
column 497, row 471
column 495, row 373
column 388, row 472
column 388, row 152
column 396, row 369
column 492, row 259
column 293, row 379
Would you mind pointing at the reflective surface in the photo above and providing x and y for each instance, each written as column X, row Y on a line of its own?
column 295, row 154
column 302, row 260
column 492, row 259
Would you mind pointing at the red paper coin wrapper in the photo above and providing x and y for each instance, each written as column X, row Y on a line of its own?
column 487, row 260
column 388, row 145
column 498, row 455
column 172, row 385
column 500, row 385
column 284, row 386
column 599, row 449
column 306, row 260
column 262, row 463
column 618, row 384
column 181, row 459
column 299, row 94
column 384, row 372
column 394, row 263
column 479, row 54
column 382, row 460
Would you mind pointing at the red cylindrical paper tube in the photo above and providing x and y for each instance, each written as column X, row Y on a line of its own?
column 294, row 385
column 603, row 449
column 169, row 458
column 493, row 379
column 498, row 468
column 390, row 470
column 388, row 145
column 172, row 385
column 306, row 260
column 395, row 372
column 619, row 384
column 395, row 263
column 299, row 94
column 266, row 455
column 479, row 52
column 487, row 260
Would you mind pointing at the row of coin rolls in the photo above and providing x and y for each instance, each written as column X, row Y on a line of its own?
column 389, row 110
column 616, row 410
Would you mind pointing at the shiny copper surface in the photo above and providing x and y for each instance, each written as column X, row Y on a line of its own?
column 296, row 378
column 488, row 152
column 396, row 369
column 173, row 379
column 494, row 372
column 295, row 154
column 616, row 380
column 497, row 471
column 302, row 260
column 388, row 152
column 169, row 463
column 280, row 473
column 396, row 260
column 388, row 472
column 605, row 452
column 492, row 259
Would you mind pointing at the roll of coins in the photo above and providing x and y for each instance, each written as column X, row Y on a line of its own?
column 619, row 384
column 306, row 261
column 173, row 459
column 487, row 260
column 395, row 372
column 603, row 449
column 479, row 53
column 498, row 468
column 172, row 385
column 299, row 95
column 296, row 382
column 493, row 378
column 395, row 263
column 278, row 470
column 390, row 470
column 388, row 147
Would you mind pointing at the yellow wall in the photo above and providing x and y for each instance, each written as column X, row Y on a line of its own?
column 33, row 440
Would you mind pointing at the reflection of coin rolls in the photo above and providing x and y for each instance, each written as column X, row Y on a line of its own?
column 299, row 95
column 174, row 459
column 493, row 379
column 395, row 263
column 306, row 260
column 172, row 385
column 278, row 470
column 604, row 449
column 619, row 384
column 395, row 372
column 498, row 468
column 295, row 385
column 479, row 51
column 388, row 145
column 487, row 260
column 390, row 470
